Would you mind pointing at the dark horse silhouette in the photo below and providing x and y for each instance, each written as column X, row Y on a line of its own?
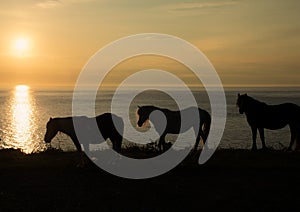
column 260, row 115
column 173, row 122
column 105, row 125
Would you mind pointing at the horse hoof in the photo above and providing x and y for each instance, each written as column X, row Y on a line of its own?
column 264, row 149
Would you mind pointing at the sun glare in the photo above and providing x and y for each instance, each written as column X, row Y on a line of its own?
column 21, row 92
column 21, row 46
column 22, row 88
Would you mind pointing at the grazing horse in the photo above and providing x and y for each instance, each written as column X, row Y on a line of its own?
column 260, row 115
column 173, row 122
column 105, row 125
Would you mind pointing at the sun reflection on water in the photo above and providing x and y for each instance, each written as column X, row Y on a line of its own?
column 22, row 112
column 22, row 121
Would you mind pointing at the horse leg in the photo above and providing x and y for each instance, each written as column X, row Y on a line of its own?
column 77, row 143
column 293, row 137
column 199, row 136
column 254, row 134
column 204, row 136
column 161, row 143
column 116, row 142
column 119, row 143
column 262, row 138
column 297, row 139
column 82, row 161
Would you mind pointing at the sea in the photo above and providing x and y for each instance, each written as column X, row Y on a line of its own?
column 26, row 111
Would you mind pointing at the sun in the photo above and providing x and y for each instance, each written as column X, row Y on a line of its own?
column 21, row 93
column 22, row 88
column 21, row 46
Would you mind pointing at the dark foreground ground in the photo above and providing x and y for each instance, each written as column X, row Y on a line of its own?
column 235, row 180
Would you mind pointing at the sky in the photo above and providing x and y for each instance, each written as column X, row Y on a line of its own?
column 249, row 42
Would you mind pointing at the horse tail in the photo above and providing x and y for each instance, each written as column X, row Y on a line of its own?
column 206, row 125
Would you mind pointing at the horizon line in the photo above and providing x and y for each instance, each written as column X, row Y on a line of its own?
column 107, row 87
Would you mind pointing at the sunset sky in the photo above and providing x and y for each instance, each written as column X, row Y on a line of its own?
column 46, row 43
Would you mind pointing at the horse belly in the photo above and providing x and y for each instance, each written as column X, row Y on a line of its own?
column 274, row 124
column 275, row 127
column 273, row 119
column 172, row 129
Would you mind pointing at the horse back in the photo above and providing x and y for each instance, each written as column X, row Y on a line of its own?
column 175, row 122
column 286, row 111
column 274, row 116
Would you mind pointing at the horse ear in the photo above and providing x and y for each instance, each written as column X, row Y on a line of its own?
column 246, row 94
column 139, row 106
column 239, row 94
column 50, row 119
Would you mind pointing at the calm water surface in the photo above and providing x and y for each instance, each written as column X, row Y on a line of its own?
column 25, row 112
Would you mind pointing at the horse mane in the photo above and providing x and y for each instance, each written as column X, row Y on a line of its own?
column 69, row 117
column 253, row 101
column 152, row 107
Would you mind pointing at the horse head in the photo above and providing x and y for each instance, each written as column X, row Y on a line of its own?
column 143, row 114
column 51, row 130
column 241, row 102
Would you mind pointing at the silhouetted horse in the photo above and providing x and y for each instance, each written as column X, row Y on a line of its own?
column 105, row 125
column 173, row 122
column 260, row 115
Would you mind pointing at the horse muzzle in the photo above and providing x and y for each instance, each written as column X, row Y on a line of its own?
column 47, row 140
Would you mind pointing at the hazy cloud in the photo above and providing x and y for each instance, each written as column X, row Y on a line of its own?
column 48, row 4
column 201, row 5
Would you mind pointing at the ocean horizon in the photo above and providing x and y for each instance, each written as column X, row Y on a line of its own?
column 25, row 114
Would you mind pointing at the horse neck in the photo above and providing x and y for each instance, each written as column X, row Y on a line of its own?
column 253, row 105
column 151, row 109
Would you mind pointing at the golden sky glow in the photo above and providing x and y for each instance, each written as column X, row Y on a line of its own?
column 250, row 42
